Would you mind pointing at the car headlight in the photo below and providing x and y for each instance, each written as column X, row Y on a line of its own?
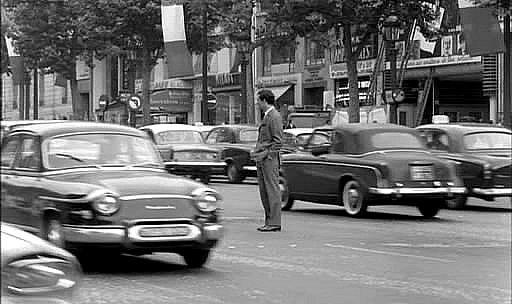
column 40, row 275
column 207, row 200
column 103, row 202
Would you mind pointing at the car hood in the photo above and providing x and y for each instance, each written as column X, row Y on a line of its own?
column 134, row 182
column 245, row 147
column 17, row 243
column 189, row 147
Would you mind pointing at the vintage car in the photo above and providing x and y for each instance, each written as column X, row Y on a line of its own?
column 295, row 139
column 35, row 271
column 7, row 125
column 184, row 152
column 89, row 187
column 234, row 143
column 368, row 164
column 483, row 153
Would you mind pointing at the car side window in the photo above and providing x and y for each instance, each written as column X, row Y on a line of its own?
column 212, row 136
column 9, row 150
column 29, row 155
column 319, row 139
column 436, row 140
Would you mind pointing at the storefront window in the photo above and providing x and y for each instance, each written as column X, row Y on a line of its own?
column 315, row 52
column 342, row 96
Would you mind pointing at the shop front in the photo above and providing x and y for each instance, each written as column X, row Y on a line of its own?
column 314, row 84
column 287, row 90
column 228, row 100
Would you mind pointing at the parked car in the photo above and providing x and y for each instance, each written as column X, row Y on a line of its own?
column 184, row 152
column 234, row 143
column 7, row 125
column 308, row 119
column 99, row 186
column 368, row 164
column 35, row 271
column 295, row 139
column 483, row 153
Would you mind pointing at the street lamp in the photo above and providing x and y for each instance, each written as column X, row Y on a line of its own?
column 244, row 49
column 392, row 32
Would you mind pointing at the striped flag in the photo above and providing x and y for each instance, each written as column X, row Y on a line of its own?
column 179, row 59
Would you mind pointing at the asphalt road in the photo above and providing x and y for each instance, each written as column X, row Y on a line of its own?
column 392, row 256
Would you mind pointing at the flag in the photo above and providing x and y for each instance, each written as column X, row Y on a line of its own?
column 482, row 31
column 16, row 61
column 179, row 59
column 434, row 25
column 60, row 80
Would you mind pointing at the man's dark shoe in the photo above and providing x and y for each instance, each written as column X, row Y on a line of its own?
column 269, row 228
column 262, row 228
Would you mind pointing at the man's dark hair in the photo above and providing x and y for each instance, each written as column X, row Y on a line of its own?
column 268, row 96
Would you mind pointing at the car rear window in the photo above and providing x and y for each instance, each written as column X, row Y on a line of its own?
column 488, row 140
column 179, row 137
column 396, row 140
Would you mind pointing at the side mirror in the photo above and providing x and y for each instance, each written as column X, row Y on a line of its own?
column 319, row 150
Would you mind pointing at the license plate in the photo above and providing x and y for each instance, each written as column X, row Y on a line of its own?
column 421, row 173
column 164, row 231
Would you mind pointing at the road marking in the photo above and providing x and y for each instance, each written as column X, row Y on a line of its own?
column 457, row 245
column 237, row 218
column 388, row 253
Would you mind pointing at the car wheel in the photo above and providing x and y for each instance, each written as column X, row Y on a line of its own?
column 353, row 198
column 196, row 258
column 52, row 232
column 429, row 209
column 234, row 175
column 458, row 202
column 205, row 179
column 286, row 200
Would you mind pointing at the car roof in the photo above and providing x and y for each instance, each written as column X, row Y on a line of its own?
column 298, row 131
column 49, row 130
column 13, row 123
column 361, row 127
column 237, row 126
column 465, row 128
column 156, row 128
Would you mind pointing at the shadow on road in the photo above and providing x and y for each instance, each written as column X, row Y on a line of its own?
column 486, row 209
column 372, row 215
column 136, row 265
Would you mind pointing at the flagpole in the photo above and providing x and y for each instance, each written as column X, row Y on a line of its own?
column 204, row 101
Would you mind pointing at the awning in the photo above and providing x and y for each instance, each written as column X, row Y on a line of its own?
column 279, row 91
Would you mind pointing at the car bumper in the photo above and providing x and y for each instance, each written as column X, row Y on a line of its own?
column 250, row 170
column 416, row 191
column 126, row 235
column 185, row 167
column 493, row 191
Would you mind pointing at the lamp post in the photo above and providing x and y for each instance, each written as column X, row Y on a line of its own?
column 391, row 34
column 243, row 48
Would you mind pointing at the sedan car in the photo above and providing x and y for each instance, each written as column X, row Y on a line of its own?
column 8, row 125
column 234, row 143
column 35, row 271
column 483, row 153
column 98, row 186
column 368, row 164
column 184, row 152
column 295, row 139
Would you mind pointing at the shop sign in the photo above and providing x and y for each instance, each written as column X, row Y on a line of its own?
column 339, row 70
column 163, row 84
column 276, row 81
column 437, row 61
column 227, row 79
column 177, row 100
column 314, row 74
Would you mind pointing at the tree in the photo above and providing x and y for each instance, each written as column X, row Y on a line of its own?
column 52, row 36
column 353, row 20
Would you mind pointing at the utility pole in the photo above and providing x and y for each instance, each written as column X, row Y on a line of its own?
column 26, row 75
column 204, row 101
column 36, row 93
column 507, row 81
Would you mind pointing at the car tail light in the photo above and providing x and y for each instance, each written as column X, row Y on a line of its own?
column 38, row 275
column 206, row 199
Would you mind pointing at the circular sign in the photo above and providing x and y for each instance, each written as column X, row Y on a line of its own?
column 134, row 102
column 398, row 95
column 103, row 102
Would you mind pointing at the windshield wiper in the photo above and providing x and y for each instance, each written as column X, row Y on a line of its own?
column 70, row 156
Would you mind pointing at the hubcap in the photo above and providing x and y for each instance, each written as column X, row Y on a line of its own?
column 55, row 233
column 284, row 193
column 352, row 199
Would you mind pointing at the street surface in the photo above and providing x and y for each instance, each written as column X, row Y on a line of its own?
column 392, row 256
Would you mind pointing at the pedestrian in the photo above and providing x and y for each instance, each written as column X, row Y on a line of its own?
column 266, row 156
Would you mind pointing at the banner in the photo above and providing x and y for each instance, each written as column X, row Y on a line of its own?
column 16, row 62
column 179, row 59
column 482, row 31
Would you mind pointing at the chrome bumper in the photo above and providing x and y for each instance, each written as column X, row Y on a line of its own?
column 196, row 164
column 407, row 191
column 119, row 234
column 249, row 168
column 493, row 191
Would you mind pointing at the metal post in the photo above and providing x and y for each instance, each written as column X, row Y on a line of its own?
column 204, row 101
column 243, row 83
column 27, row 95
column 36, row 94
column 507, row 81
column 393, row 106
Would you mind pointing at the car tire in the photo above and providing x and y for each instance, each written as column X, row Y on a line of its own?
column 458, row 202
column 234, row 174
column 429, row 209
column 52, row 231
column 196, row 258
column 353, row 198
column 286, row 200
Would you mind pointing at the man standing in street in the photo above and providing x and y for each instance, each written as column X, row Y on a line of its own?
column 266, row 156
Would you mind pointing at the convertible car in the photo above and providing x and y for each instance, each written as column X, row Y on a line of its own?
column 234, row 143
column 184, row 152
column 368, row 164
column 98, row 186
column 484, row 155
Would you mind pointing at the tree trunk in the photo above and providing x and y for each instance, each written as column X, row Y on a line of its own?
column 243, row 86
column 76, row 103
column 250, row 93
column 353, row 85
column 146, row 93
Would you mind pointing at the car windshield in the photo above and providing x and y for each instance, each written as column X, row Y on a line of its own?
column 488, row 140
column 179, row 137
column 248, row 136
column 395, row 140
column 98, row 150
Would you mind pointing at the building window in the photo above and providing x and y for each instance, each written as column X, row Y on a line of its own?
column 315, row 52
column 282, row 54
column 454, row 116
column 342, row 96
column 369, row 50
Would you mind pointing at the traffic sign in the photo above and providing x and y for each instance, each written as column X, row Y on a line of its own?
column 134, row 102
